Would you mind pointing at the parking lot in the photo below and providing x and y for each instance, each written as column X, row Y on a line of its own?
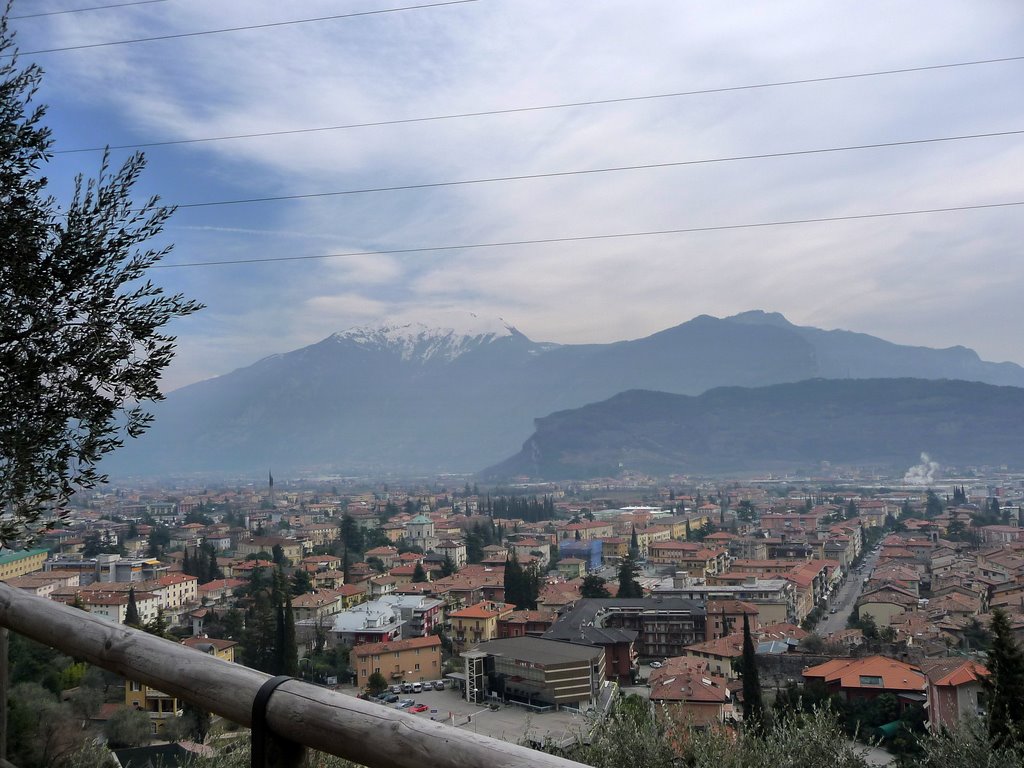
column 508, row 722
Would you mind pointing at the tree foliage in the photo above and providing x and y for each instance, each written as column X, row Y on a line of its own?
column 629, row 586
column 1006, row 683
column 82, row 339
column 594, row 586
column 127, row 728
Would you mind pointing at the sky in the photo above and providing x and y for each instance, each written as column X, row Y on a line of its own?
column 444, row 96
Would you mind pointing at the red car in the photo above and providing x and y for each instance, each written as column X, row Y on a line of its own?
column 419, row 708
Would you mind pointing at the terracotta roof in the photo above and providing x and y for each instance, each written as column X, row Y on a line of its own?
column 849, row 673
column 953, row 671
column 370, row 649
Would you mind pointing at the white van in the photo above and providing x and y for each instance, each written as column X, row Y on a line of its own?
column 417, row 687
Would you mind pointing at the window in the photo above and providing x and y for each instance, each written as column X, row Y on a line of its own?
column 136, row 687
column 870, row 680
column 417, row 668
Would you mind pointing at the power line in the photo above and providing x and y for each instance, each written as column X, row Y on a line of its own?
column 539, row 108
column 82, row 10
column 268, row 25
column 611, row 236
column 586, row 171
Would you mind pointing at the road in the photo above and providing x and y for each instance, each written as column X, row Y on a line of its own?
column 844, row 599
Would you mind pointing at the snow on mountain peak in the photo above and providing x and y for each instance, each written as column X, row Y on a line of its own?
column 449, row 338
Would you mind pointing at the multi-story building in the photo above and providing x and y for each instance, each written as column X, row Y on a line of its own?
column 477, row 623
column 660, row 626
column 160, row 707
column 21, row 563
column 420, row 614
column 365, row 623
column 534, row 671
column 412, row 660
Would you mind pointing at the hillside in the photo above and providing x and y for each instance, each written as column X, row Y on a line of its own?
column 781, row 428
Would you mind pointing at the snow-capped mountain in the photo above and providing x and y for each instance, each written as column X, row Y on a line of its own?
column 461, row 394
column 419, row 341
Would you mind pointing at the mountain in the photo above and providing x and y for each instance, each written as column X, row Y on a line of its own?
column 408, row 397
column 780, row 428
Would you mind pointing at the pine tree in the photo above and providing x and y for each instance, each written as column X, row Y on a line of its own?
column 1006, row 683
column 628, row 584
column 594, row 586
column 419, row 574
column 753, row 704
column 448, row 567
column 159, row 625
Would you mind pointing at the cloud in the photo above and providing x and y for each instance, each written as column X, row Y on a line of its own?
column 927, row 280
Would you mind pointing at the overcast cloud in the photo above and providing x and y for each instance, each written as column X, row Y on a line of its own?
column 937, row 279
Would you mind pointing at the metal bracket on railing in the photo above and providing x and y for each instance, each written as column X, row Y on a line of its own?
column 261, row 734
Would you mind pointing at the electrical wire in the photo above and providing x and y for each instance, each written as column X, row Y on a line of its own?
column 543, row 107
column 83, row 10
column 583, row 238
column 586, row 171
column 268, row 25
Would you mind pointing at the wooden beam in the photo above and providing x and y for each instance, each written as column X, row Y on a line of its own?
column 369, row 734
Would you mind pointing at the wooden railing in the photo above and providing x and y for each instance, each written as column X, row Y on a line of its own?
column 296, row 713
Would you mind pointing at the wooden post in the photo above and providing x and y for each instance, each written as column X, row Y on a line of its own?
column 319, row 718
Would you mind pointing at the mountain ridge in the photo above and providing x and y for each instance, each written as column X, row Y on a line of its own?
column 777, row 428
column 413, row 398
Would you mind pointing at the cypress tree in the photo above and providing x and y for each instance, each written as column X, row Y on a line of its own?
column 131, row 614
column 753, row 704
column 513, row 580
column 288, row 651
column 419, row 575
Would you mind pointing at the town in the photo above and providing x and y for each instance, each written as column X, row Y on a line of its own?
column 547, row 603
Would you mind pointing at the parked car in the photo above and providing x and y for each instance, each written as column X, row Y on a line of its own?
column 406, row 687
column 406, row 703
column 391, row 698
column 419, row 708
column 439, row 685
column 417, row 687
column 396, row 688
column 655, row 665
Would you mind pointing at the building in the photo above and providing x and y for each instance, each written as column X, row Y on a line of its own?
column 688, row 694
column 214, row 646
column 21, row 563
column 420, row 614
column 867, row 678
column 477, row 623
column 956, row 690
column 160, row 707
column 534, row 671
column 365, row 623
column 415, row 659
column 658, row 627
column 775, row 598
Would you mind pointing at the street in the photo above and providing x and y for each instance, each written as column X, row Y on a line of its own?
column 843, row 600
